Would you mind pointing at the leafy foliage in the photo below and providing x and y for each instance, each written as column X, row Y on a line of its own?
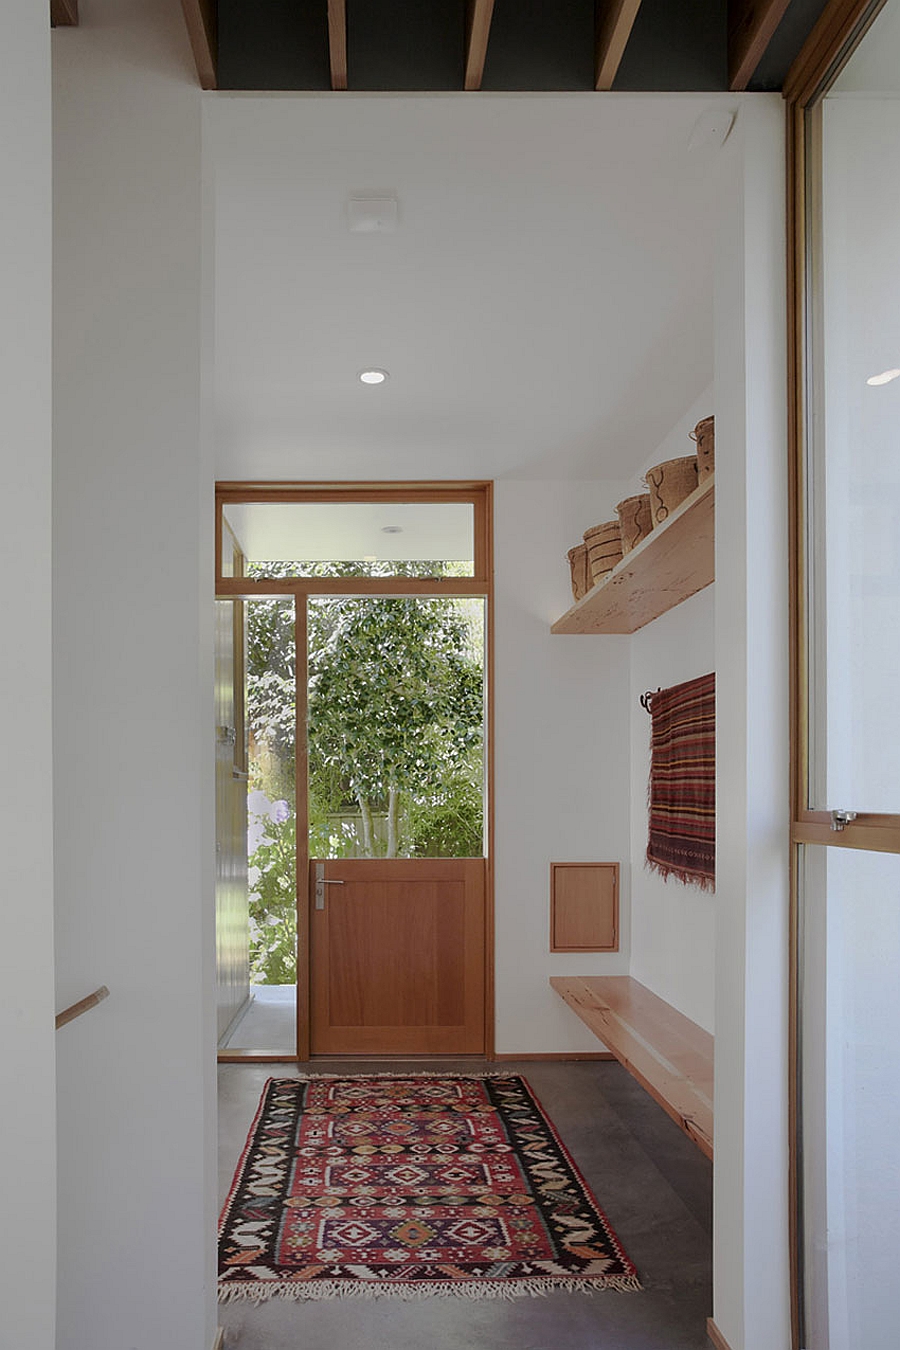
column 395, row 702
column 272, row 836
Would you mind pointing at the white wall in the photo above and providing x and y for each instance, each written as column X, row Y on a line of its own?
column 673, row 929
column 27, row 1134
column 562, row 755
column 133, row 688
column 750, row 1241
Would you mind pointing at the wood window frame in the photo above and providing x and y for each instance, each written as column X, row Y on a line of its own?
column 480, row 494
column 477, row 494
column 836, row 35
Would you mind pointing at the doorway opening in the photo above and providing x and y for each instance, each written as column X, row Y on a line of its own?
column 360, row 760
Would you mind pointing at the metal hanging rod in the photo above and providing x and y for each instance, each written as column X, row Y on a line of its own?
column 646, row 699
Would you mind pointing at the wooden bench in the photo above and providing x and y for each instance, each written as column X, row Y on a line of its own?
column 669, row 1055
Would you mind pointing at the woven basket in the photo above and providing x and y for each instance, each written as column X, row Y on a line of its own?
column 581, row 572
column 604, row 547
column 635, row 520
column 704, row 434
column 669, row 484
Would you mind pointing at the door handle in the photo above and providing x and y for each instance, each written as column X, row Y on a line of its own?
column 321, row 882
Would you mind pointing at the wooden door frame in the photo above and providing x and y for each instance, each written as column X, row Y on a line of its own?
column 840, row 28
column 480, row 493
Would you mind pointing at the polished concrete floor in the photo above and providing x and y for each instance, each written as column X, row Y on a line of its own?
column 652, row 1182
column 269, row 1023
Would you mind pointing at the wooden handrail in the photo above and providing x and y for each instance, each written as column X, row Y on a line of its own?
column 82, row 1006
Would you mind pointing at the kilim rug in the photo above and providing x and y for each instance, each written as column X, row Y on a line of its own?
column 407, row 1185
column 682, row 796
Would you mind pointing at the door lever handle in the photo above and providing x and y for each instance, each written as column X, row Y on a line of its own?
column 321, row 882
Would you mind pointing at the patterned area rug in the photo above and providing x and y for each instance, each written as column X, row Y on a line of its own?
column 407, row 1185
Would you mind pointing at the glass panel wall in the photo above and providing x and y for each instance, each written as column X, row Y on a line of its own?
column 851, row 1093
column 854, row 161
column 346, row 539
column 270, row 1021
column 396, row 727
column 848, row 898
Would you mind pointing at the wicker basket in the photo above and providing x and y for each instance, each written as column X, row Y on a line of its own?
column 581, row 572
column 704, row 434
column 669, row 484
column 635, row 520
column 604, row 547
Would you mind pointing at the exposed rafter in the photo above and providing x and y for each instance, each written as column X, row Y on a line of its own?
column 200, row 17
column 841, row 22
column 615, row 20
column 63, row 13
column 337, row 42
column 751, row 27
column 478, row 31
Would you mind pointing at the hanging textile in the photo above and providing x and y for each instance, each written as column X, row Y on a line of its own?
column 682, row 795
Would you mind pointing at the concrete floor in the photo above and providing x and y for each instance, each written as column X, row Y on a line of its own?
column 269, row 1024
column 653, row 1184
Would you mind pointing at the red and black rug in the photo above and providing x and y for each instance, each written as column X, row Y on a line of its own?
column 406, row 1185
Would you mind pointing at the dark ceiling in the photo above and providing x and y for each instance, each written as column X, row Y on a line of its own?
column 533, row 45
column 493, row 45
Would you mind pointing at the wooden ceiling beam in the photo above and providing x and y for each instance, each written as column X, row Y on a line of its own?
column 615, row 21
column 841, row 23
column 478, row 30
column 200, row 16
column 751, row 27
column 337, row 42
column 63, row 13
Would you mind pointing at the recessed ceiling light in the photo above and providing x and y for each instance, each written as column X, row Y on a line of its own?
column 373, row 376
column 884, row 378
column 392, row 529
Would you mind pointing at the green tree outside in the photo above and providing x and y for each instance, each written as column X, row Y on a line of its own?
column 395, row 723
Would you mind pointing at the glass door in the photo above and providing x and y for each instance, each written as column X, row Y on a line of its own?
column 266, row 918
column 396, row 815
column 847, row 726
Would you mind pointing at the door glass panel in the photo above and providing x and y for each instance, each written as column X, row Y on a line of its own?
column 851, row 1097
column 345, row 539
column 269, row 1022
column 396, row 727
column 232, row 918
column 854, row 430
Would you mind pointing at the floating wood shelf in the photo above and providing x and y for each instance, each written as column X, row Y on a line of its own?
column 676, row 560
column 669, row 1055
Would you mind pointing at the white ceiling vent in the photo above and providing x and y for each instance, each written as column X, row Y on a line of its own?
column 372, row 215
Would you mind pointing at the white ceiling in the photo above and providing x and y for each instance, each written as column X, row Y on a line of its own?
column 544, row 308
column 352, row 531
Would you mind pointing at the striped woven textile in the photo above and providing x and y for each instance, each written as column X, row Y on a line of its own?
column 682, row 796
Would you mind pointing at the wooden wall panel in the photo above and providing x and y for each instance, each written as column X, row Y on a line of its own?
column 584, row 907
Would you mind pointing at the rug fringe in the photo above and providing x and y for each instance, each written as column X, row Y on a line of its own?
column 682, row 874
column 413, row 1073
column 262, row 1290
